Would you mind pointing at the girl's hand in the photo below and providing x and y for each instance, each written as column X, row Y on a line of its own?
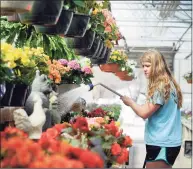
column 126, row 100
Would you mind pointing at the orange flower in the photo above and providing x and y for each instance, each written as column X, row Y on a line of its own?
column 123, row 157
column 52, row 133
column 108, row 29
column 115, row 149
column 81, row 124
column 127, row 141
column 94, row 160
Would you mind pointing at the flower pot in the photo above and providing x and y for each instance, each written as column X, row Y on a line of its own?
column 19, row 95
column 103, row 52
column 63, row 88
column 78, row 25
column 6, row 100
column 103, row 60
column 11, row 7
column 92, row 51
column 100, row 50
column 61, row 26
column 43, row 12
column 110, row 67
column 2, row 90
column 189, row 81
column 13, row 18
column 123, row 76
column 85, row 42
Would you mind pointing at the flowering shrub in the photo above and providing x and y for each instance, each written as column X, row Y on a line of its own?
column 119, row 57
column 104, row 24
column 23, row 62
column 51, row 151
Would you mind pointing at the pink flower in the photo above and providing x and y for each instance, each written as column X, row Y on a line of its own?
column 108, row 29
column 87, row 70
column 63, row 62
column 73, row 64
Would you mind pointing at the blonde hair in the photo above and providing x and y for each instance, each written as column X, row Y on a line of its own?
column 160, row 76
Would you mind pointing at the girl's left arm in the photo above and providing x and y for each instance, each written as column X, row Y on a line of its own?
column 144, row 111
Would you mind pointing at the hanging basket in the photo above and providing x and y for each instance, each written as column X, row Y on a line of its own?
column 92, row 51
column 123, row 76
column 61, row 26
column 78, row 25
column 10, row 7
column 43, row 12
column 85, row 42
column 110, row 67
column 103, row 60
column 100, row 50
column 13, row 18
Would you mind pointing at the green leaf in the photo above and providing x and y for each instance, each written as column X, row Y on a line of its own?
column 106, row 146
column 67, row 130
column 79, row 3
column 75, row 142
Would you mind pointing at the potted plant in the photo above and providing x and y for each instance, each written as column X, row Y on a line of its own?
column 127, row 71
column 188, row 77
column 43, row 13
column 61, row 27
column 117, row 59
column 81, row 17
column 23, row 63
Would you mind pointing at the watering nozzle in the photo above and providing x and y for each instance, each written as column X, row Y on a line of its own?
column 91, row 86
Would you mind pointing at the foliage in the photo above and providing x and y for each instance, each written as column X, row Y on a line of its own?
column 80, row 6
column 188, row 76
column 23, row 62
column 25, row 35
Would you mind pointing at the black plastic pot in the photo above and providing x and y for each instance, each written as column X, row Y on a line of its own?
column 103, row 60
column 6, row 100
column 43, row 12
column 61, row 26
column 103, row 53
column 92, row 51
column 99, row 50
column 78, row 25
column 19, row 95
column 85, row 42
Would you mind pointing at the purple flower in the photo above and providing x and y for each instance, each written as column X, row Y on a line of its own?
column 74, row 65
column 64, row 62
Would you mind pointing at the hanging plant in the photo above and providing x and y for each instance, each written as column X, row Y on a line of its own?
column 25, row 35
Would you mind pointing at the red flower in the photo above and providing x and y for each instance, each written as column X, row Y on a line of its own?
column 115, row 149
column 59, row 127
column 52, row 133
column 91, row 160
column 127, row 141
column 81, row 124
column 123, row 157
column 112, row 128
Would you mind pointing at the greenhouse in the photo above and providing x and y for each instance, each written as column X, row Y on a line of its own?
column 96, row 84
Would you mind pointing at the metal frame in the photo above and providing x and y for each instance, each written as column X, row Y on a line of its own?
column 145, row 9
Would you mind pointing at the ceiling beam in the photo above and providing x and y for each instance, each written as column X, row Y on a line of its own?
column 144, row 20
column 146, row 3
column 155, row 26
column 188, row 56
column 154, row 39
column 145, row 9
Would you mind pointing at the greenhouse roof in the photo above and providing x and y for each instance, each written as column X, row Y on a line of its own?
column 165, row 25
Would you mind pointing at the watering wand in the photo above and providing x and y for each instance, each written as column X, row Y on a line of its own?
column 92, row 86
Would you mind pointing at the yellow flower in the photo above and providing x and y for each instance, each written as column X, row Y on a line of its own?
column 119, row 58
column 108, row 44
column 117, row 123
column 95, row 11
column 8, row 57
column 11, row 65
